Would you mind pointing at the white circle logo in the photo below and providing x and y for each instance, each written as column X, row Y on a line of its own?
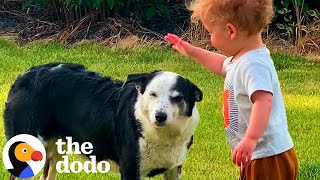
column 24, row 156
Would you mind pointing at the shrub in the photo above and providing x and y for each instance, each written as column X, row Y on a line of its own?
column 299, row 23
column 70, row 10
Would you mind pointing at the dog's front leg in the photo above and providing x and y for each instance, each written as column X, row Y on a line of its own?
column 172, row 174
column 129, row 164
column 50, row 171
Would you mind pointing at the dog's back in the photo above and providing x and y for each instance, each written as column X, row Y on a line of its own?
column 58, row 100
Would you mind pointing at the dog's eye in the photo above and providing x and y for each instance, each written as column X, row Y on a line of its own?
column 153, row 94
column 177, row 98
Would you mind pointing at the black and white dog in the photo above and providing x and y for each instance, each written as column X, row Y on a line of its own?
column 144, row 125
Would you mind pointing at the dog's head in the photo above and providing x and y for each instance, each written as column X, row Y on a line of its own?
column 166, row 98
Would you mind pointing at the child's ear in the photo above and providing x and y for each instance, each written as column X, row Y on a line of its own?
column 232, row 30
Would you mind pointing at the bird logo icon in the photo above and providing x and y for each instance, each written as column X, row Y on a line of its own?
column 24, row 156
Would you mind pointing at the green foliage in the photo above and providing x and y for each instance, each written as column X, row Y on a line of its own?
column 289, row 24
column 152, row 7
column 297, row 22
column 294, row 12
column 76, row 9
column 301, row 3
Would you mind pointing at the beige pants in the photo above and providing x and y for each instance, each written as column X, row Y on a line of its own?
column 283, row 166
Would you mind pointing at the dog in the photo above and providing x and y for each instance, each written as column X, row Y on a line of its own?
column 145, row 124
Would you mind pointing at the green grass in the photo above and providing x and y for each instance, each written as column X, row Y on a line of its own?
column 210, row 156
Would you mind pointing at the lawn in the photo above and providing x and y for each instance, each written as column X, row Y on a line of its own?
column 210, row 156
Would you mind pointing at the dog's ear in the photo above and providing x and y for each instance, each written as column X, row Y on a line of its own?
column 140, row 80
column 197, row 93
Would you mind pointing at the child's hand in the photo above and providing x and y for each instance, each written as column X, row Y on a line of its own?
column 243, row 152
column 179, row 45
column 261, row 109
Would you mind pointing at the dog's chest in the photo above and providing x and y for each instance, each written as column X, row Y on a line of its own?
column 156, row 155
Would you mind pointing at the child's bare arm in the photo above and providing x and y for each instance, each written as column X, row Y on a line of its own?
column 210, row 60
column 260, row 114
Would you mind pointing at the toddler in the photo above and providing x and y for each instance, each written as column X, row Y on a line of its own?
column 254, row 112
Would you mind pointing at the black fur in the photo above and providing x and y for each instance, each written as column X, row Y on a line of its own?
column 156, row 172
column 141, row 80
column 71, row 101
column 190, row 142
column 54, row 101
column 194, row 91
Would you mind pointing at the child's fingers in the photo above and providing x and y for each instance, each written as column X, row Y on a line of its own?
column 175, row 47
column 169, row 39
column 172, row 38
column 243, row 159
column 234, row 156
column 248, row 160
column 239, row 157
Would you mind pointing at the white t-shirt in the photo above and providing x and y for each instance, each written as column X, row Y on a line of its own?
column 251, row 72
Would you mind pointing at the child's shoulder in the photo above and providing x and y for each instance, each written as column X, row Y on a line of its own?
column 257, row 56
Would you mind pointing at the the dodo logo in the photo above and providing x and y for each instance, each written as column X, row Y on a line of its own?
column 24, row 156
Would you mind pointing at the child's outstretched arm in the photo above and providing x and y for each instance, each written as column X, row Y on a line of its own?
column 260, row 114
column 210, row 60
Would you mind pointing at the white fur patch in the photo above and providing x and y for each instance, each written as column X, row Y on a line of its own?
column 160, row 86
column 56, row 67
column 165, row 146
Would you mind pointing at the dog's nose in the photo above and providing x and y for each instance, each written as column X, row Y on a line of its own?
column 161, row 117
